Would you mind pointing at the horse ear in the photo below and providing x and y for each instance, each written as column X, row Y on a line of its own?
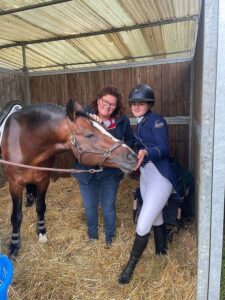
column 78, row 107
column 71, row 108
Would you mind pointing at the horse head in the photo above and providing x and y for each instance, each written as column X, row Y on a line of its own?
column 93, row 145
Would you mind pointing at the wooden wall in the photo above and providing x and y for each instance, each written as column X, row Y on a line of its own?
column 171, row 84
column 12, row 87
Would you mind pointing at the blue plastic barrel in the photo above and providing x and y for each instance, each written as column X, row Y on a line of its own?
column 6, row 275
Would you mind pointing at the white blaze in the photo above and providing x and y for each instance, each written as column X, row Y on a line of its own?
column 104, row 131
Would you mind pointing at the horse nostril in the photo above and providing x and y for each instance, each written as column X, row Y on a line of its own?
column 131, row 157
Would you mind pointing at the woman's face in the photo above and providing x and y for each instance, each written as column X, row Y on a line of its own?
column 106, row 106
column 139, row 109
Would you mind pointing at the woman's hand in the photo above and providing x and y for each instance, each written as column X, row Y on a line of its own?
column 96, row 118
column 141, row 154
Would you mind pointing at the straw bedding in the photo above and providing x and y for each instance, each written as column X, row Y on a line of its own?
column 70, row 267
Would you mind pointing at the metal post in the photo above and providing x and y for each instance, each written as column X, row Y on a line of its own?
column 218, row 174
column 25, row 71
column 212, row 149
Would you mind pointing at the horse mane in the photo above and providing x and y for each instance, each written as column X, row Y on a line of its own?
column 45, row 107
column 50, row 110
column 83, row 114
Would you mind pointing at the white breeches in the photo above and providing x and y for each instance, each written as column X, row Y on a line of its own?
column 155, row 192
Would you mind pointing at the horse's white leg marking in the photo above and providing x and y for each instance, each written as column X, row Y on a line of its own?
column 42, row 238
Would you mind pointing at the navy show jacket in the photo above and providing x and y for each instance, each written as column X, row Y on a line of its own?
column 151, row 134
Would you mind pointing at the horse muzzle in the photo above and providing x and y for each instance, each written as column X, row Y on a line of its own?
column 130, row 162
column 126, row 161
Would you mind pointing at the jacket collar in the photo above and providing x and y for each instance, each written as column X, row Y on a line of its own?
column 145, row 117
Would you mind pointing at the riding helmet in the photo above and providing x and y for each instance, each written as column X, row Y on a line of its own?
column 141, row 93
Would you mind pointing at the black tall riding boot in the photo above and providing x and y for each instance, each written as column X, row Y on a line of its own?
column 160, row 239
column 139, row 246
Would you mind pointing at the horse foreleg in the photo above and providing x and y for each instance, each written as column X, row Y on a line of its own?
column 16, row 220
column 41, row 208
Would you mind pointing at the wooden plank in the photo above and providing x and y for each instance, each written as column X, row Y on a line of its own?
column 149, row 76
column 134, row 77
column 143, row 75
column 114, row 77
column 172, row 103
column 81, row 82
column 165, row 90
column 157, row 87
column 61, row 90
column 121, row 85
column 70, row 85
column 180, row 98
column 187, row 88
column 178, row 139
column 126, row 91
column 89, row 87
column 97, row 81
column 12, row 87
column 49, row 89
column 183, row 89
column 108, row 77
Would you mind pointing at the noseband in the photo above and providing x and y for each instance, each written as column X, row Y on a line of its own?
column 80, row 151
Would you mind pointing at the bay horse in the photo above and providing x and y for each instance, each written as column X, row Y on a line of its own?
column 34, row 135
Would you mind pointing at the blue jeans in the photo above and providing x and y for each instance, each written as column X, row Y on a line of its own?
column 101, row 190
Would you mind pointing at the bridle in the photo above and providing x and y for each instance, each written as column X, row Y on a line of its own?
column 78, row 151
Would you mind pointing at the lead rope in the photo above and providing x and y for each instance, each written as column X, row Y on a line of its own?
column 5, row 162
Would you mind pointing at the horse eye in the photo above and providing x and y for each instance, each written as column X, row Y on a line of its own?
column 89, row 135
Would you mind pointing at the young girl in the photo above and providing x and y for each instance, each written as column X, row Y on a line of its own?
column 157, row 180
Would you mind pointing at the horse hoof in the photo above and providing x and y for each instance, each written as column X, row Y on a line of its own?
column 13, row 254
column 42, row 238
column 28, row 204
column 30, row 200
column 14, row 250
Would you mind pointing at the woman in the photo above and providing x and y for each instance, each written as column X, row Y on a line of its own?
column 100, row 189
column 157, row 179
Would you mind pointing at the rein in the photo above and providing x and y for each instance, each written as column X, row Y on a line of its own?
column 6, row 162
column 80, row 151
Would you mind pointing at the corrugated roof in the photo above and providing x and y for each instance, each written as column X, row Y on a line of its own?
column 58, row 34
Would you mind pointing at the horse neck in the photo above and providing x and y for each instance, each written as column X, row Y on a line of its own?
column 60, row 132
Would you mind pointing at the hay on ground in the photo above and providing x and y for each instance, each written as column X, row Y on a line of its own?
column 70, row 267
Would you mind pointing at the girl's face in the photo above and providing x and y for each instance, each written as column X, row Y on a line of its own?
column 139, row 109
column 106, row 106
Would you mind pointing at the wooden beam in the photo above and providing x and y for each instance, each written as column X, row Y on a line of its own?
column 107, row 31
column 30, row 7
column 189, row 51
column 160, row 61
